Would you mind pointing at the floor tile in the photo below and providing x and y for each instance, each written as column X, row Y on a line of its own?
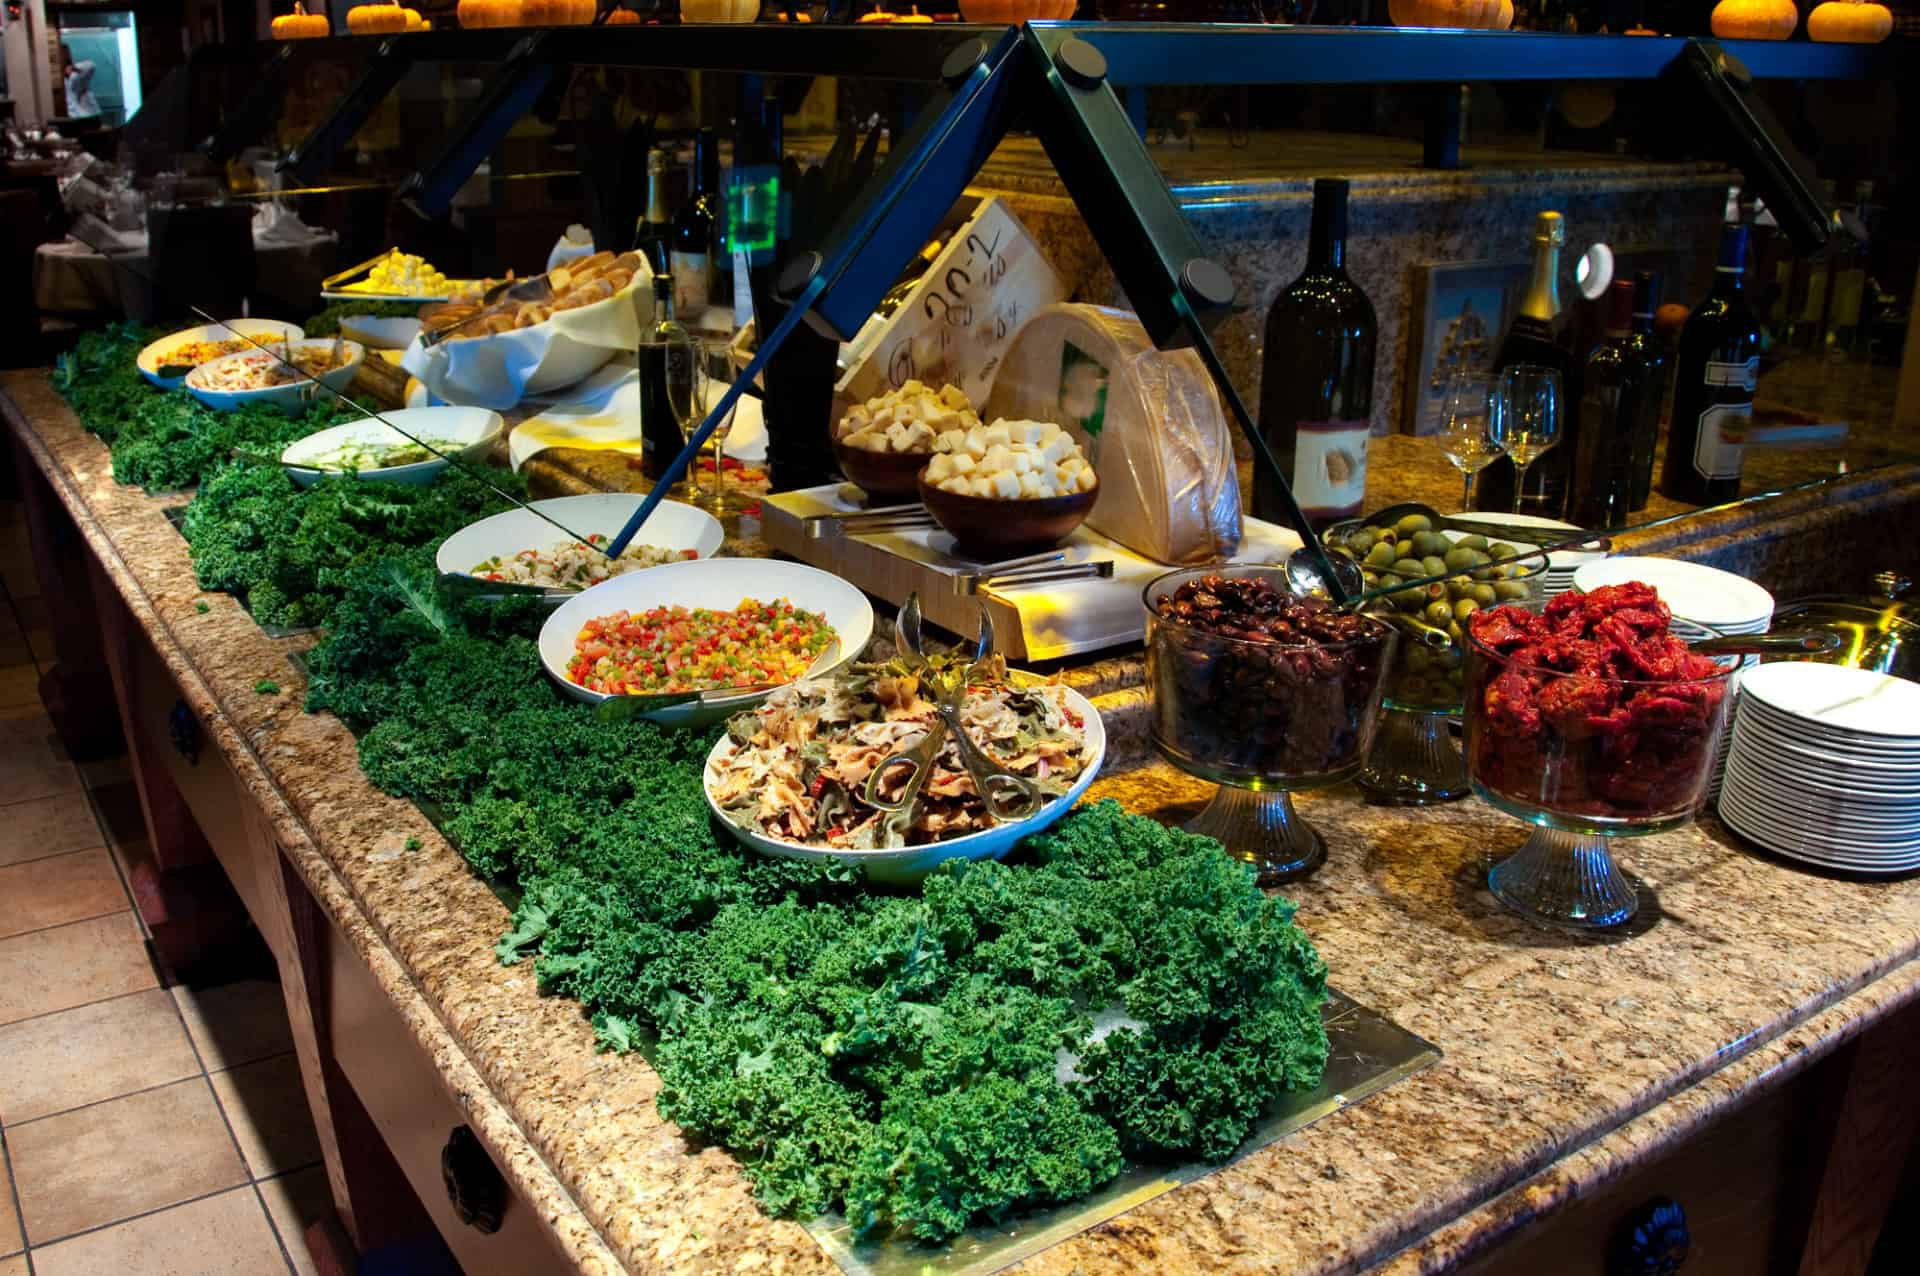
column 16, row 648
column 15, row 1266
column 294, row 1201
column 267, row 1107
column 96, row 1052
column 20, row 684
column 224, row 1235
column 119, row 1158
column 236, row 1023
column 47, row 826
column 71, row 966
column 32, row 763
column 62, row 889
column 10, row 1238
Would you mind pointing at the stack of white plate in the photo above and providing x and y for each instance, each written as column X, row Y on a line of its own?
column 1561, row 563
column 1825, row 766
column 1706, row 603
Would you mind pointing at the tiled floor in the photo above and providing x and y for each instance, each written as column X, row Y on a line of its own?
column 143, row 1130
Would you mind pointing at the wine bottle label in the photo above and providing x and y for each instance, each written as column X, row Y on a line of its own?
column 1745, row 376
column 1330, row 467
column 692, row 282
column 1719, row 448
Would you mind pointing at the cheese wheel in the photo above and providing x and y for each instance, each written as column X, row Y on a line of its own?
column 1148, row 419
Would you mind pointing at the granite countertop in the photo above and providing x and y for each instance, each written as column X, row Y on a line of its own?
column 1566, row 1059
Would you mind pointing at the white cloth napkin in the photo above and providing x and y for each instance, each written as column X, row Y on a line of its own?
column 602, row 413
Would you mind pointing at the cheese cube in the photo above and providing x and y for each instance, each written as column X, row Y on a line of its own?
column 1058, row 448
column 1024, row 431
column 1023, row 461
column 919, row 436
column 939, row 468
column 1063, row 478
column 977, row 440
column 1029, row 484
column 1049, row 431
column 997, row 433
column 1086, row 479
column 982, row 487
column 963, row 463
column 951, row 441
column 897, row 437
column 957, row 485
column 1006, row 485
column 1044, row 485
column 998, row 458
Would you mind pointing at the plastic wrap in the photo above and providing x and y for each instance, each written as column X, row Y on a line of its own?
column 498, row 370
column 1149, row 419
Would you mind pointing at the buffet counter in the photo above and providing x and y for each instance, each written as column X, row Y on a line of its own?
column 1727, row 1050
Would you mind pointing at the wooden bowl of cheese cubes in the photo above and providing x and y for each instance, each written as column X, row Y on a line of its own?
column 1013, row 487
column 883, row 444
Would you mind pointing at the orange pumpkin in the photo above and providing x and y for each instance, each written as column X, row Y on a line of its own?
column 415, row 22
column 879, row 17
column 301, row 25
column 1485, row 15
column 1639, row 31
column 1006, row 13
column 490, row 13
column 1850, row 22
column 1755, row 19
column 376, row 19
column 719, row 10
column 623, row 18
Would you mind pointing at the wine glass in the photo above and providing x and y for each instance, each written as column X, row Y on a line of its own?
column 714, row 360
column 1465, row 434
column 1528, row 413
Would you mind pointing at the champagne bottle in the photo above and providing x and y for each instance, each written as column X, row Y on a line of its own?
column 693, row 232
column 1650, row 358
column 1600, row 488
column 1316, row 376
column 653, row 236
column 1534, row 338
column 1715, row 371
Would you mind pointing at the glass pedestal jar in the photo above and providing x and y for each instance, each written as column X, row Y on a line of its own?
column 1261, row 706
column 1414, row 760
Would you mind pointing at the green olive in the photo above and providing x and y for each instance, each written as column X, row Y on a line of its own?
column 1487, row 595
column 1447, row 658
column 1439, row 613
column 1388, row 581
column 1409, row 599
column 1500, row 549
column 1436, row 592
column 1435, row 565
column 1380, row 554
column 1458, row 559
column 1413, row 523
column 1409, row 568
column 1457, row 677
column 1460, row 586
column 1464, row 607
column 1485, row 573
column 1453, row 632
column 1430, row 543
column 1416, row 658
column 1362, row 541
column 1508, row 590
column 1370, row 579
column 1472, row 542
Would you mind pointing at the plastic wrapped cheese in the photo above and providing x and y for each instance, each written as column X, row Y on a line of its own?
column 1148, row 418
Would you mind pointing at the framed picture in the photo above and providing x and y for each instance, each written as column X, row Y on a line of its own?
column 1459, row 311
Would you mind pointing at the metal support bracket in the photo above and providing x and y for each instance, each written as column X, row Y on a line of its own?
column 508, row 96
column 313, row 155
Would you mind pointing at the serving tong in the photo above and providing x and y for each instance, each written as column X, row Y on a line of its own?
column 1007, row 796
column 1043, row 568
column 625, row 707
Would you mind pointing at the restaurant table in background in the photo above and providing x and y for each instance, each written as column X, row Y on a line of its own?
column 69, row 277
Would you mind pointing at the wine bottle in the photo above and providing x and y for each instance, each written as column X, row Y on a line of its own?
column 1600, row 487
column 1650, row 359
column 1534, row 338
column 1316, row 376
column 653, row 235
column 666, row 386
column 693, row 232
column 1715, row 370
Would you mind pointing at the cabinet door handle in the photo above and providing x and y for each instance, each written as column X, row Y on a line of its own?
column 1650, row 1241
column 183, row 729
column 475, row 1188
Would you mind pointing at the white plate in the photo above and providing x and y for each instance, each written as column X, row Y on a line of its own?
column 1842, row 833
column 1560, row 560
column 1758, row 830
column 295, row 396
column 1873, row 749
column 1818, row 809
column 150, row 359
column 911, row 863
column 719, row 583
column 1789, row 753
column 1694, row 591
column 1840, row 698
column 474, row 429
column 671, row 526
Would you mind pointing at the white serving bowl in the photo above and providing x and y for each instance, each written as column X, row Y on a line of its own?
column 295, row 396
column 907, row 864
column 150, row 359
column 670, row 526
column 380, row 332
column 474, row 429
column 719, row 583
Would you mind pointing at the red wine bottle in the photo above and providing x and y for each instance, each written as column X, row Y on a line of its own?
column 1316, row 377
column 694, row 247
column 1650, row 359
column 1600, row 488
column 1715, row 370
column 1534, row 337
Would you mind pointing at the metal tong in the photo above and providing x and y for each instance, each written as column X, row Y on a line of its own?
column 1007, row 796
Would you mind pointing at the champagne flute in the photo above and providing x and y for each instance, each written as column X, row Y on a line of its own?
column 717, row 371
column 1464, row 430
column 1528, row 412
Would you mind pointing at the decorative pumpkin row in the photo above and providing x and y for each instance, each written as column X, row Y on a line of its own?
column 1474, row 15
column 527, row 13
column 1835, row 22
column 383, row 19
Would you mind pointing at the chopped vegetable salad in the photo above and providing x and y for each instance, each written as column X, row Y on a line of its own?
column 671, row 649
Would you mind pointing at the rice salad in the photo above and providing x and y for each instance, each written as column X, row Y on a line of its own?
column 574, row 564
